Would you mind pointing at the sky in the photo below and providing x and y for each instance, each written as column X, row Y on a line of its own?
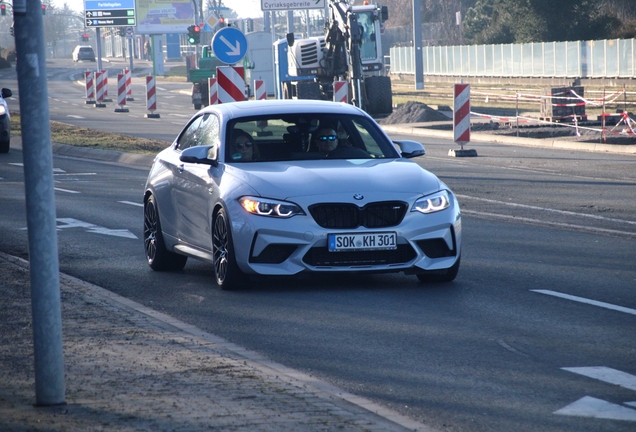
column 244, row 8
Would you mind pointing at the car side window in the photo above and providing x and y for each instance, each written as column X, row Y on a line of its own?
column 209, row 133
column 188, row 137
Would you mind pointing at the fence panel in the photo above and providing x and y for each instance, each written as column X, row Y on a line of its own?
column 611, row 58
column 626, row 58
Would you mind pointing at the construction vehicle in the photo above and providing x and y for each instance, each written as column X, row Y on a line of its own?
column 351, row 51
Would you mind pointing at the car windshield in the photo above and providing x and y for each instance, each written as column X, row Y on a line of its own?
column 304, row 137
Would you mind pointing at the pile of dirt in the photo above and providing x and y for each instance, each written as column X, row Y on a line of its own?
column 414, row 112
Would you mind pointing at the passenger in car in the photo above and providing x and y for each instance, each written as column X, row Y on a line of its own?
column 242, row 146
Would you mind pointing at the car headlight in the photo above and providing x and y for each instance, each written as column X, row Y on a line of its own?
column 3, row 110
column 269, row 207
column 432, row 203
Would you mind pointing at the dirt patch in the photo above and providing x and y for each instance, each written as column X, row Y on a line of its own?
column 414, row 112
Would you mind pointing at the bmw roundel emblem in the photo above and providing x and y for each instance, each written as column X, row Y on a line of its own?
column 358, row 197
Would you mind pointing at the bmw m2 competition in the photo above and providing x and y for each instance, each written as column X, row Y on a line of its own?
column 280, row 187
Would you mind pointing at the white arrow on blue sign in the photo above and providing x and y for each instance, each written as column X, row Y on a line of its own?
column 229, row 45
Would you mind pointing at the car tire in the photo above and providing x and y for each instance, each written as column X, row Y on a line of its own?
column 226, row 271
column 379, row 95
column 440, row 276
column 158, row 257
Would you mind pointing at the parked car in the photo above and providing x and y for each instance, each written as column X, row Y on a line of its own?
column 83, row 52
column 5, row 121
column 277, row 205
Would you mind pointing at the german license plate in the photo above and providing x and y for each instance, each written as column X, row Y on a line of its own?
column 362, row 242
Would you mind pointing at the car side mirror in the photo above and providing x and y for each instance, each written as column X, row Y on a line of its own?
column 290, row 39
column 6, row 93
column 410, row 149
column 206, row 155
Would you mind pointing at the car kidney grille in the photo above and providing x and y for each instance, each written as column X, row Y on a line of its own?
column 320, row 256
column 348, row 216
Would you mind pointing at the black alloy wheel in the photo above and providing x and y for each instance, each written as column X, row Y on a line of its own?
column 228, row 275
column 157, row 256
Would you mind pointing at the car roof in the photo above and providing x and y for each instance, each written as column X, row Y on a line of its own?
column 78, row 47
column 283, row 106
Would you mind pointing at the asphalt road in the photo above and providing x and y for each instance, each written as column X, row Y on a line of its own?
column 536, row 333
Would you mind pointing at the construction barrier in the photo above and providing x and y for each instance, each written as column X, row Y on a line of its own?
column 260, row 90
column 128, row 74
column 151, row 96
column 90, row 89
column 213, row 91
column 105, row 81
column 341, row 91
column 121, row 93
column 231, row 83
column 461, row 113
column 99, row 89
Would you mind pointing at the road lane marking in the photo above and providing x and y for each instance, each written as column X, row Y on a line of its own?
column 131, row 203
column 75, row 116
column 549, row 223
column 92, row 228
column 597, row 408
column 565, row 212
column 66, row 190
column 606, row 374
column 588, row 301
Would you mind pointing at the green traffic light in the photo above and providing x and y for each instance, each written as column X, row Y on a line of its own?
column 191, row 40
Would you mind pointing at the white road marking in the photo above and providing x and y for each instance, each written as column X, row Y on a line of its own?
column 607, row 375
column 549, row 223
column 66, row 190
column 547, row 209
column 587, row 301
column 597, row 408
column 75, row 116
column 74, row 223
column 20, row 164
column 631, row 404
column 131, row 203
column 179, row 115
column 75, row 174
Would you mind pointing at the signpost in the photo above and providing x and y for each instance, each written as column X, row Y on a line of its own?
column 229, row 45
column 110, row 14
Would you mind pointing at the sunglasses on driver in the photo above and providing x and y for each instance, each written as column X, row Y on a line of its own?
column 327, row 138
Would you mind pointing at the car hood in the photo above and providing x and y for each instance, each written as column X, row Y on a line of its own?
column 287, row 180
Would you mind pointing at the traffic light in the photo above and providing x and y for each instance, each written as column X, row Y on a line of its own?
column 221, row 22
column 3, row 9
column 194, row 34
column 85, row 37
column 249, row 25
column 43, row 9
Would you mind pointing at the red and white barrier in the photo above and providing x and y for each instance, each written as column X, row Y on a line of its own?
column 461, row 113
column 105, row 85
column 121, row 93
column 128, row 74
column 341, row 91
column 213, row 91
column 151, row 96
column 90, row 89
column 231, row 83
column 99, row 89
column 260, row 90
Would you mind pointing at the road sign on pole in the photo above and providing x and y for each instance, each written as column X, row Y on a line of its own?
column 110, row 14
column 229, row 45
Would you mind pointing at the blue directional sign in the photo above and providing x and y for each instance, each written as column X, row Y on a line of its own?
column 115, row 13
column 229, row 45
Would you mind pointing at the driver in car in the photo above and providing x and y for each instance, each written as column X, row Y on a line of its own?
column 326, row 140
